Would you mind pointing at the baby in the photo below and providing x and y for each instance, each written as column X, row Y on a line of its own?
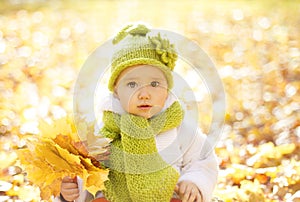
column 154, row 153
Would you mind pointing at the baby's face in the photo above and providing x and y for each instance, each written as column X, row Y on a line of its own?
column 142, row 90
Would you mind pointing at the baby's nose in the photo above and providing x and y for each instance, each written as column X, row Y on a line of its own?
column 143, row 93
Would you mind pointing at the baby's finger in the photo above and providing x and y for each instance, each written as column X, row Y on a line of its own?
column 70, row 197
column 189, row 195
column 199, row 198
column 182, row 189
column 69, row 179
column 69, row 185
column 176, row 189
column 69, row 191
column 185, row 197
column 192, row 196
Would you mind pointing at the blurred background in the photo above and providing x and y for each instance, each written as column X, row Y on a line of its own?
column 255, row 45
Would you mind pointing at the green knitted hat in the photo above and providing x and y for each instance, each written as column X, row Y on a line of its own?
column 133, row 46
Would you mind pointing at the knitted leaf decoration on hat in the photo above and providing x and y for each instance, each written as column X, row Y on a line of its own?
column 141, row 30
column 166, row 50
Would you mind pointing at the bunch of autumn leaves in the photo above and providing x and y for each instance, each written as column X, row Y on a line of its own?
column 58, row 152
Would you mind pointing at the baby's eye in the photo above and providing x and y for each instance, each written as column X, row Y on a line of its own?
column 132, row 84
column 154, row 83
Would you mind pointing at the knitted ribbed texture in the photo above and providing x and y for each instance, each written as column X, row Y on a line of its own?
column 137, row 171
column 134, row 47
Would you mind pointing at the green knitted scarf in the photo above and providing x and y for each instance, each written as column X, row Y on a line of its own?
column 137, row 171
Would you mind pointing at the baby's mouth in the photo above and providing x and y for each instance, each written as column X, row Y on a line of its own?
column 144, row 106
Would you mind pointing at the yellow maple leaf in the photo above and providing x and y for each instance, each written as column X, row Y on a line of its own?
column 72, row 146
column 94, row 182
column 56, row 154
column 60, row 126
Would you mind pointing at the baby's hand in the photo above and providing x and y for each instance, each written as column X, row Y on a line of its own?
column 188, row 192
column 69, row 188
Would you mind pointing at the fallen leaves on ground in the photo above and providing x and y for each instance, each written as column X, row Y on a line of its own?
column 264, row 173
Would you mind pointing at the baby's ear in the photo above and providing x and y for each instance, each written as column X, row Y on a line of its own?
column 115, row 94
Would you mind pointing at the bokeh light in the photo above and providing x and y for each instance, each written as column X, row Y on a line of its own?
column 255, row 46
